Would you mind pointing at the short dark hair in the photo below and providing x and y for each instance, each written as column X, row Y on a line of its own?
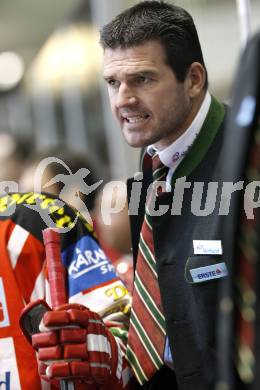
column 169, row 24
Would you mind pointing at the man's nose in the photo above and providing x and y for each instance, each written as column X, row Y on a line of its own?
column 125, row 97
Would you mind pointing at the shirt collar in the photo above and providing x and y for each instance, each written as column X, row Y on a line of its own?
column 173, row 154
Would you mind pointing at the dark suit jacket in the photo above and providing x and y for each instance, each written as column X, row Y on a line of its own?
column 190, row 308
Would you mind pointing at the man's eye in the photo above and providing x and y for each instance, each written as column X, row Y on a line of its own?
column 113, row 83
column 142, row 80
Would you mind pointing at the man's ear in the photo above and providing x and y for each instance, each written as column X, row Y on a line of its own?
column 196, row 79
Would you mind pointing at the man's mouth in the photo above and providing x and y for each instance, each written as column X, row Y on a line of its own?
column 132, row 119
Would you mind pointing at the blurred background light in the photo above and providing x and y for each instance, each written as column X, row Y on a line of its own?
column 71, row 55
column 11, row 70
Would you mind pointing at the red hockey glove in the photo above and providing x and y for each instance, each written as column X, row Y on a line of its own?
column 72, row 343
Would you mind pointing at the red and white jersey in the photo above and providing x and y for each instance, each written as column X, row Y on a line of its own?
column 91, row 278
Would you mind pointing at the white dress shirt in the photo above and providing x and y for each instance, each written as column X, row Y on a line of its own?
column 173, row 154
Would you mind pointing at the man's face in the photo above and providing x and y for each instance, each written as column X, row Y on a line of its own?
column 152, row 107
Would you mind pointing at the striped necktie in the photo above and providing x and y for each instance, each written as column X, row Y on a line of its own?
column 146, row 338
column 246, row 277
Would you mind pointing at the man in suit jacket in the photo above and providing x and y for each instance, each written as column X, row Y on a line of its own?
column 158, row 90
column 157, row 84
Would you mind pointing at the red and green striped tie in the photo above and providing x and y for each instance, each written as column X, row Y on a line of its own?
column 146, row 338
